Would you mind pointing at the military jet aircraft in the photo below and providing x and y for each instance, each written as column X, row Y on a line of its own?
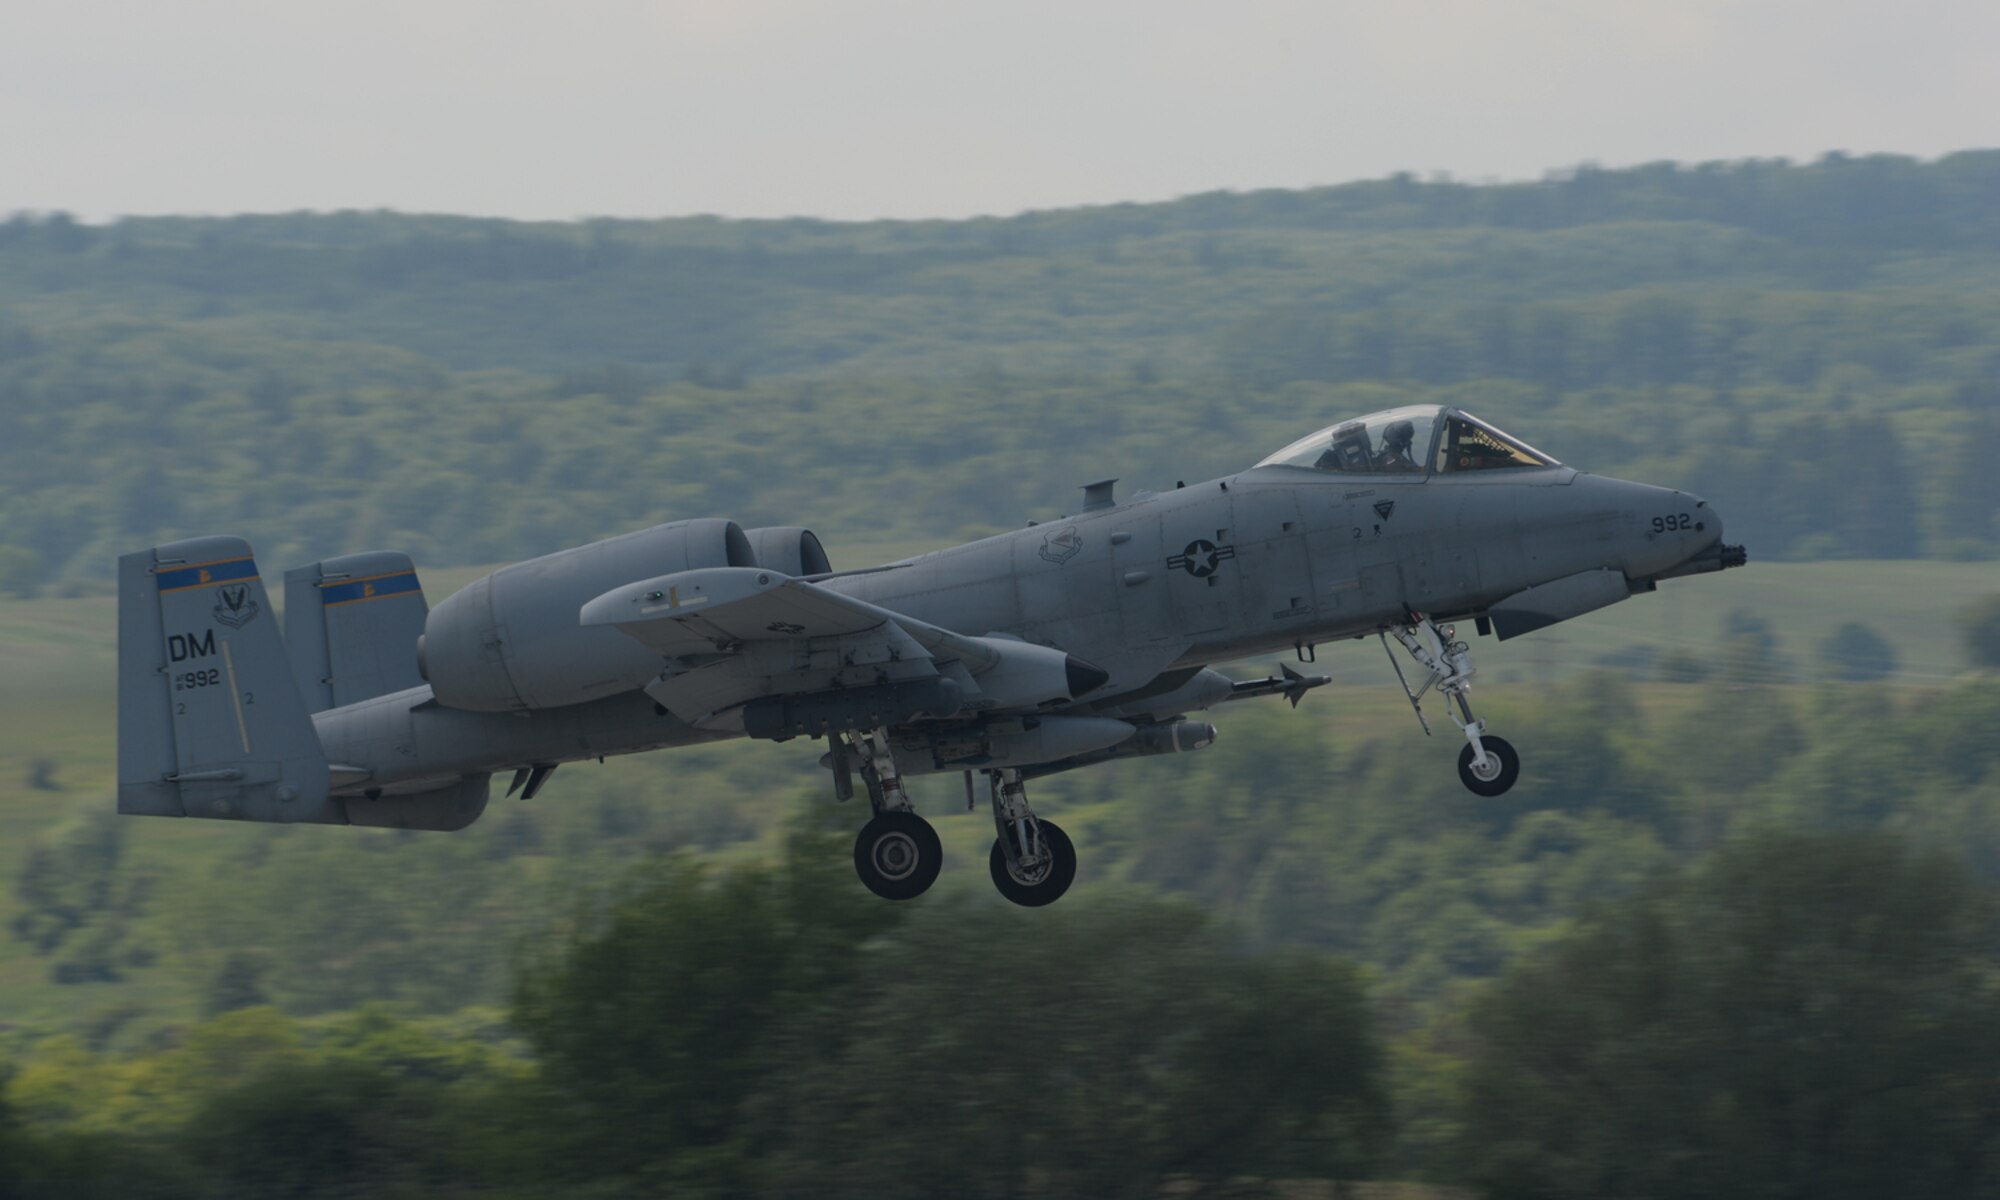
column 1061, row 645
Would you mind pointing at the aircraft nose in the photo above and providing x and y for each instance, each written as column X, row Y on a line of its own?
column 1673, row 533
column 1664, row 527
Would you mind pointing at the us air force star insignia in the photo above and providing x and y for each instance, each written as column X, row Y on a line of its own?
column 233, row 606
column 785, row 627
column 1201, row 558
column 1384, row 507
column 1059, row 548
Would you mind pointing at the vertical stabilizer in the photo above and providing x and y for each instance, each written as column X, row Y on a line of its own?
column 210, row 721
column 351, row 627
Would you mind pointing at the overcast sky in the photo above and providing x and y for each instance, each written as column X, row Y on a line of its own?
column 866, row 108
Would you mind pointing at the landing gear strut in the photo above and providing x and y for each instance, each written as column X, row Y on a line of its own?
column 1488, row 765
column 897, row 853
column 1033, row 862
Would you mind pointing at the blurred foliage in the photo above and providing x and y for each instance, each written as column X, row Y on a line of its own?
column 1856, row 653
column 766, row 1031
column 1752, row 912
column 1980, row 626
column 1816, row 348
column 724, row 1026
column 1809, row 1015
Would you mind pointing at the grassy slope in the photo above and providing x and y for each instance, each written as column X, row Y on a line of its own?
column 57, row 703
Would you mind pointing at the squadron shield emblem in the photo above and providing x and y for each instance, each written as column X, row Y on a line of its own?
column 233, row 605
column 1059, row 548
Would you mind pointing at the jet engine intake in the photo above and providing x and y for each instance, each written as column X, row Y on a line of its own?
column 511, row 641
column 789, row 550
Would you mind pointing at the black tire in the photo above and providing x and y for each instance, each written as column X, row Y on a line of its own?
column 1053, row 880
column 1510, row 767
column 898, row 855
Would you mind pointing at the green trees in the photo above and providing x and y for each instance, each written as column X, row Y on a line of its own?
column 779, row 1032
column 1857, row 653
column 1806, row 1015
column 468, row 390
column 655, row 1025
column 1980, row 627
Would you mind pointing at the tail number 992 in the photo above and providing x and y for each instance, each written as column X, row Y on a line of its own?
column 189, row 680
column 1673, row 522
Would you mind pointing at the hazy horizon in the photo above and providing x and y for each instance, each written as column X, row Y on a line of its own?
column 891, row 109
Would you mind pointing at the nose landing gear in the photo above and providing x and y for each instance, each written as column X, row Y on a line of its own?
column 1488, row 765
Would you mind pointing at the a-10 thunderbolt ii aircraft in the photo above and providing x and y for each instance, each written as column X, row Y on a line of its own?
column 1061, row 645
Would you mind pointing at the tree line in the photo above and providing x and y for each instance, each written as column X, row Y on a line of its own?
column 472, row 390
column 1798, row 1014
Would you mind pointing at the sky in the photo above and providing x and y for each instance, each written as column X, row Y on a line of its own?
column 892, row 108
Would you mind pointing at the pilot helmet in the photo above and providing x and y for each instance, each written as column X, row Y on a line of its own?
column 1399, row 435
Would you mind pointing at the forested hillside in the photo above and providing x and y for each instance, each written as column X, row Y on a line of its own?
column 1733, row 934
column 1814, row 347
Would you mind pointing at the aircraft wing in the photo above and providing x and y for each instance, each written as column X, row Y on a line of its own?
column 732, row 635
column 711, row 610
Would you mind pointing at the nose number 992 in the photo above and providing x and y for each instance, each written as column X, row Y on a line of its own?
column 1673, row 522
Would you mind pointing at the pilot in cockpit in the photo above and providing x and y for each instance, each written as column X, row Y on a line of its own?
column 1396, row 455
column 1398, row 441
column 1350, row 449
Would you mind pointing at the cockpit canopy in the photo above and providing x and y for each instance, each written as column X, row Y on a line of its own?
column 1413, row 440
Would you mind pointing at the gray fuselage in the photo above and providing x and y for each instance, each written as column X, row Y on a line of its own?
column 1269, row 559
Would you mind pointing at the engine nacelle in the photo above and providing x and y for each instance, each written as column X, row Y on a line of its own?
column 511, row 640
column 789, row 550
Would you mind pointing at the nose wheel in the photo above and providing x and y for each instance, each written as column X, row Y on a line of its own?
column 1494, row 776
column 1488, row 765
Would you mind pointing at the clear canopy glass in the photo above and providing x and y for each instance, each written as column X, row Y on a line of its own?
column 1409, row 441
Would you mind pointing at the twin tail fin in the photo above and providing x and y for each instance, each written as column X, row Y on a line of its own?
column 210, row 720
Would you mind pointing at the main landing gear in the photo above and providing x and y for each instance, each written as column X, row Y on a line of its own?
column 1033, row 862
column 897, row 854
column 1488, row 765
